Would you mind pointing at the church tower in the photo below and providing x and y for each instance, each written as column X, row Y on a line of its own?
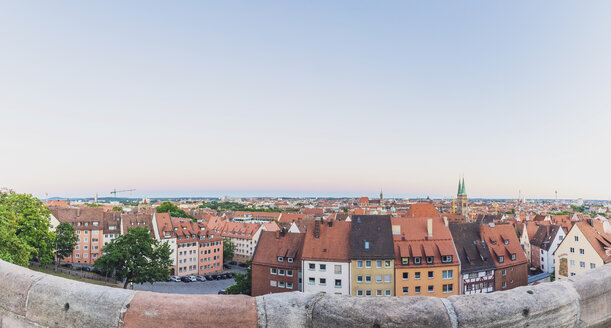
column 463, row 203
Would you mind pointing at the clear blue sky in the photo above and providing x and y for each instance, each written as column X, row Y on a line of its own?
column 306, row 98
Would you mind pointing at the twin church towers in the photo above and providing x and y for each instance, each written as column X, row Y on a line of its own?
column 461, row 198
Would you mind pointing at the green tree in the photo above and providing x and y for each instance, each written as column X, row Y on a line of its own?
column 65, row 240
column 175, row 211
column 30, row 220
column 228, row 249
column 136, row 257
column 242, row 282
column 12, row 249
column 117, row 208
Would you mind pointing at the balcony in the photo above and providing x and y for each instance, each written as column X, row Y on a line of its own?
column 33, row 299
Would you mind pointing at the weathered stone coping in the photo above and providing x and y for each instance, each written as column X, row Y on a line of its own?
column 33, row 299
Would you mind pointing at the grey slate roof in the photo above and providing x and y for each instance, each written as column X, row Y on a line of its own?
column 377, row 231
column 473, row 252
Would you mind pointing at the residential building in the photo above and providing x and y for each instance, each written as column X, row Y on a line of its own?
column 164, row 231
column 210, row 251
column 476, row 263
column 372, row 256
column 187, row 246
column 326, row 257
column 509, row 258
column 543, row 246
column 276, row 264
column 426, row 263
column 585, row 247
column 528, row 232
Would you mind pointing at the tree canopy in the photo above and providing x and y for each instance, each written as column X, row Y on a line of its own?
column 228, row 249
column 136, row 257
column 65, row 240
column 173, row 210
column 24, row 229
column 233, row 206
column 243, row 282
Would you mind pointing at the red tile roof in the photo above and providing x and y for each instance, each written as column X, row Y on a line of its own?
column 332, row 244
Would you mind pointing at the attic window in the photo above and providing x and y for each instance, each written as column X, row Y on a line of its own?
column 501, row 259
column 405, row 260
column 513, row 257
column 366, row 245
column 429, row 260
column 446, row 259
column 324, row 249
column 289, row 260
column 506, row 242
column 417, row 260
column 280, row 259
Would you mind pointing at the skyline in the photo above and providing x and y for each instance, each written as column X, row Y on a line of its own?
column 317, row 98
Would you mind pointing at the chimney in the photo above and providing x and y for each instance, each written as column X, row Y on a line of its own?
column 445, row 220
column 429, row 227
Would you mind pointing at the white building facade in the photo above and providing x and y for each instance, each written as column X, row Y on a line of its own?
column 326, row 276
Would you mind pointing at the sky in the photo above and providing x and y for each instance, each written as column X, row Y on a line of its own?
column 310, row 98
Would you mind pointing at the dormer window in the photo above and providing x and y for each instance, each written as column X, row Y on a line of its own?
column 429, row 260
column 280, row 259
column 366, row 245
column 506, row 242
column 513, row 257
column 417, row 260
column 501, row 259
column 289, row 260
column 405, row 260
column 446, row 259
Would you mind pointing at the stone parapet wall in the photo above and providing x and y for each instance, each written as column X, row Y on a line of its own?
column 33, row 299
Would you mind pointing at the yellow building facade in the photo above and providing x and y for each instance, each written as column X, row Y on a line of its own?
column 440, row 281
column 372, row 278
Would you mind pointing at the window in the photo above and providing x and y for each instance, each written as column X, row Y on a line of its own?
column 504, row 284
column 323, row 267
column 431, row 275
column 338, row 283
column 338, row 269
column 281, row 272
column 359, row 264
column 405, row 260
column 405, row 275
column 368, row 264
column 405, row 290
column 446, row 259
column 506, row 242
column 572, row 250
column 572, row 263
column 378, row 264
column 289, row 273
column 280, row 259
column 388, row 292
column 359, row 279
column 387, row 264
column 489, row 272
column 504, row 272
column 447, row 274
column 272, row 270
column 431, row 289
column 378, row 278
column 449, row 288
column 368, row 279
column 86, row 239
column 592, row 266
column 379, row 292
column 85, row 255
column 77, row 255
column 368, row 292
column 417, row 289
column 323, row 281
column 312, row 281
column 289, row 285
column 312, row 266
column 576, row 238
column 501, row 259
column 387, row 278
column 429, row 260
column 280, row 284
column 290, row 260
column 417, row 275
column 572, row 274
column 582, row 251
column 272, row 283
column 513, row 257
column 582, row 264
column 417, row 260
column 366, row 245
column 359, row 292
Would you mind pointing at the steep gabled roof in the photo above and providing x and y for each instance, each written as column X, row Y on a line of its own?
column 327, row 241
column 473, row 252
column 371, row 237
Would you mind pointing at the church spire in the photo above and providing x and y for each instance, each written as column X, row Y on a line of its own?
column 459, row 187
column 464, row 192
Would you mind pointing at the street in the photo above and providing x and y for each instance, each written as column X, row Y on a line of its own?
column 196, row 287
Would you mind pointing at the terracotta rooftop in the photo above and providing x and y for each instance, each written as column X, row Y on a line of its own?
column 327, row 241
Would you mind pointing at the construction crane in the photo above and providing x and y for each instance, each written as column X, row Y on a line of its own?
column 114, row 192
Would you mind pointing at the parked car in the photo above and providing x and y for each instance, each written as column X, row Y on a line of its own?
column 192, row 278
column 226, row 266
column 243, row 265
column 230, row 274
column 175, row 278
column 233, row 263
column 218, row 277
column 224, row 276
column 210, row 277
column 200, row 278
column 66, row 265
column 222, row 292
column 185, row 279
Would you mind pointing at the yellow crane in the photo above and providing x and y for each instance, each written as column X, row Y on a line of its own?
column 114, row 192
